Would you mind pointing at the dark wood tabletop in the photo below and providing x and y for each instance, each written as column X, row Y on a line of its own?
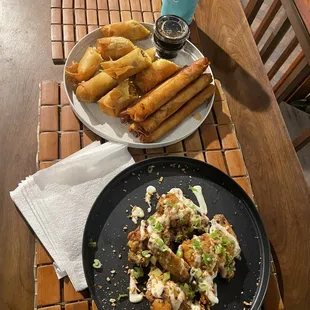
column 278, row 183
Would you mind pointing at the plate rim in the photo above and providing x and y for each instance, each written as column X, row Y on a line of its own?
column 138, row 145
column 253, row 211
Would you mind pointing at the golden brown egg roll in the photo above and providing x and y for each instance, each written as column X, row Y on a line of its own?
column 118, row 98
column 152, row 101
column 179, row 116
column 95, row 88
column 152, row 53
column 153, row 75
column 114, row 47
column 155, row 119
column 86, row 67
column 131, row 30
column 128, row 65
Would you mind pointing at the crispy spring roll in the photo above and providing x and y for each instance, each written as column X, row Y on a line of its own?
column 179, row 116
column 131, row 30
column 152, row 53
column 118, row 98
column 153, row 75
column 114, row 47
column 86, row 67
column 152, row 101
column 95, row 88
column 154, row 120
column 128, row 65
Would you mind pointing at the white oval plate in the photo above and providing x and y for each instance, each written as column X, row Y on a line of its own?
column 111, row 128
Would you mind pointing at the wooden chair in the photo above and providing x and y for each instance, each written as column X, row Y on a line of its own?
column 303, row 140
column 298, row 74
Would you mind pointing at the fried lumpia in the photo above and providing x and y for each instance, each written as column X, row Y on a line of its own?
column 95, row 88
column 179, row 116
column 86, row 67
column 154, row 120
column 118, row 98
column 153, row 75
column 131, row 30
column 128, row 65
column 152, row 53
column 114, row 47
column 152, row 101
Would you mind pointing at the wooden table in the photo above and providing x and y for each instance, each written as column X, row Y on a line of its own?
column 278, row 183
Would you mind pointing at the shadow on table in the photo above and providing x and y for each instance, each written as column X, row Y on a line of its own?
column 243, row 86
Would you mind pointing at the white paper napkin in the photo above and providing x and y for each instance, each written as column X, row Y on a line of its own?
column 56, row 202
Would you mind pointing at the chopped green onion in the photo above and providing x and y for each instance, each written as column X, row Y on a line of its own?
column 120, row 296
column 198, row 273
column 193, row 189
column 138, row 272
column 159, row 227
column 183, row 221
column 97, row 264
column 161, row 245
column 207, row 258
column 159, row 242
column 203, row 287
column 156, row 272
column 224, row 241
column 146, row 253
column 196, row 244
column 151, row 220
column 153, row 260
column 188, row 291
column 193, row 207
column 92, row 244
column 166, row 276
column 216, row 234
column 195, row 221
column 150, row 169
column 179, row 252
column 229, row 258
column 219, row 249
column 178, row 238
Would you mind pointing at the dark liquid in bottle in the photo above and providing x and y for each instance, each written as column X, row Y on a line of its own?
column 170, row 35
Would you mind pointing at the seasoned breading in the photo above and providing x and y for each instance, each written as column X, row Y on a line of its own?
column 205, row 249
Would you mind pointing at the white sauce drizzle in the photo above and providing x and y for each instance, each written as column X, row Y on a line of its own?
column 210, row 292
column 142, row 230
column 203, row 209
column 134, row 296
column 215, row 226
column 136, row 212
column 176, row 302
column 157, row 287
column 150, row 191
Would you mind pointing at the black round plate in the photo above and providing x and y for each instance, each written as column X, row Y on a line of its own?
column 109, row 214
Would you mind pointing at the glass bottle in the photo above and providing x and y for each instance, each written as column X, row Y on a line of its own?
column 182, row 8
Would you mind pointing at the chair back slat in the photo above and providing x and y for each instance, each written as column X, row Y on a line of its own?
column 275, row 38
column 296, row 74
column 271, row 13
column 283, row 57
column 283, row 47
column 252, row 9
